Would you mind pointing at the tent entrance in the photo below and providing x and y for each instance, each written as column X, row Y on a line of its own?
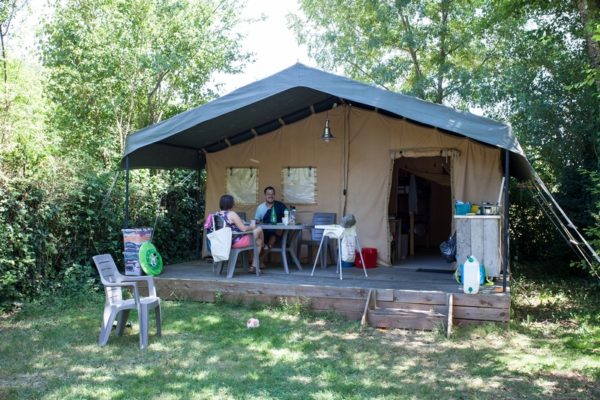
column 420, row 205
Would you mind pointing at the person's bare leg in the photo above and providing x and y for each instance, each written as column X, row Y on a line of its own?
column 259, row 240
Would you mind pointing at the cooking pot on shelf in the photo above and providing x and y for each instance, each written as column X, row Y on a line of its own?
column 488, row 209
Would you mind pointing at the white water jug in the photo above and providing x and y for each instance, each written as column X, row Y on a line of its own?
column 471, row 275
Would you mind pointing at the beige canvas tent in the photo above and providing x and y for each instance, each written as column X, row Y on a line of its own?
column 354, row 171
column 269, row 134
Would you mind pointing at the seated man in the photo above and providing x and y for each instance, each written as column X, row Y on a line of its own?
column 264, row 212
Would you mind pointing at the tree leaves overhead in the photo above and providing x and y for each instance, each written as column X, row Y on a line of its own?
column 541, row 60
column 430, row 49
column 117, row 66
column 532, row 63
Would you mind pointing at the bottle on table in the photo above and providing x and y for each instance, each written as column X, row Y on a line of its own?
column 273, row 215
column 292, row 216
column 286, row 217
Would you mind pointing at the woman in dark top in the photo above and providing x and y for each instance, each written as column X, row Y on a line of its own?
column 233, row 220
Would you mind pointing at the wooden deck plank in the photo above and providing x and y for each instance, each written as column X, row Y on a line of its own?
column 420, row 288
column 479, row 313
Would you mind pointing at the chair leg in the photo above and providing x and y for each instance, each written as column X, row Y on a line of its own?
column 108, row 318
column 361, row 257
column 121, row 322
column 332, row 251
column 339, row 263
column 158, row 321
column 244, row 261
column 231, row 265
column 143, row 317
column 325, row 251
column 317, row 257
column 218, row 267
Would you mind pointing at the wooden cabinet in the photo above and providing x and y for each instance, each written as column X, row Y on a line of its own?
column 479, row 235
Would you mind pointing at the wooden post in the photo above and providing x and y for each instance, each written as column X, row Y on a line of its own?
column 364, row 319
column 450, row 316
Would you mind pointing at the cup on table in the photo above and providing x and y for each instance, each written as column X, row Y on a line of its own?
column 285, row 220
column 253, row 223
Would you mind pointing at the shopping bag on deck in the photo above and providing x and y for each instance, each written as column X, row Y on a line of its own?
column 220, row 243
column 348, row 245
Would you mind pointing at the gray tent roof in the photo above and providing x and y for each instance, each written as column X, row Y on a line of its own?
column 286, row 97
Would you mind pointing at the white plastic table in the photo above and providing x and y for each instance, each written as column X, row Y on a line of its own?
column 290, row 235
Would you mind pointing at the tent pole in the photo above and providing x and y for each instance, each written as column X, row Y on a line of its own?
column 198, row 205
column 505, row 243
column 126, row 224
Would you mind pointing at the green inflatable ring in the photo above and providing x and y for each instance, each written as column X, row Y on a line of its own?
column 150, row 259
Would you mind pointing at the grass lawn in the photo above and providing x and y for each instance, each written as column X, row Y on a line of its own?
column 551, row 350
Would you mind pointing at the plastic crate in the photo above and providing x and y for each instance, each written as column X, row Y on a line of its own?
column 370, row 256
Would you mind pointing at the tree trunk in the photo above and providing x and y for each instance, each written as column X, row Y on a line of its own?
column 589, row 11
column 414, row 57
column 439, row 96
column 6, row 105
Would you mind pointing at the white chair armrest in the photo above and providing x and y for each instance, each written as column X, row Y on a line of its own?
column 136, row 294
column 148, row 279
column 242, row 233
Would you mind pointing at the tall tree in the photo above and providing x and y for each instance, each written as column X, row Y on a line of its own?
column 119, row 65
column 8, row 10
column 427, row 48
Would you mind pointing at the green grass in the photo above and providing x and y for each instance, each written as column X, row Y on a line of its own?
column 550, row 350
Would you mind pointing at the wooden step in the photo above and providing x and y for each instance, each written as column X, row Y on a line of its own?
column 405, row 319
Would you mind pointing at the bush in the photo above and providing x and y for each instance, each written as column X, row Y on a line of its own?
column 50, row 231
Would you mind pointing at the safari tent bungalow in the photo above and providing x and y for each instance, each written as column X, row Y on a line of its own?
column 397, row 163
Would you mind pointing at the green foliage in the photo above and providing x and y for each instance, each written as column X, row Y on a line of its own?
column 536, row 244
column 112, row 67
column 118, row 66
column 24, row 144
column 430, row 49
column 51, row 232
column 594, row 229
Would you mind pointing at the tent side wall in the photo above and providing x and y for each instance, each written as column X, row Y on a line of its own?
column 370, row 139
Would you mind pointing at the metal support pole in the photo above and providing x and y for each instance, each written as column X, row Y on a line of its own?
column 505, row 242
column 126, row 223
column 198, row 205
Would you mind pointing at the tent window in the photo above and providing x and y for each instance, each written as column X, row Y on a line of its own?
column 242, row 184
column 299, row 185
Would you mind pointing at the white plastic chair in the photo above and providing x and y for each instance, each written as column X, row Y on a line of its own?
column 337, row 232
column 117, row 307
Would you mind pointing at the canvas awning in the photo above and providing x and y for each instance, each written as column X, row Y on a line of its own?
column 287, row 97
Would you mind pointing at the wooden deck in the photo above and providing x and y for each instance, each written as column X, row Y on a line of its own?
column 417, row 290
